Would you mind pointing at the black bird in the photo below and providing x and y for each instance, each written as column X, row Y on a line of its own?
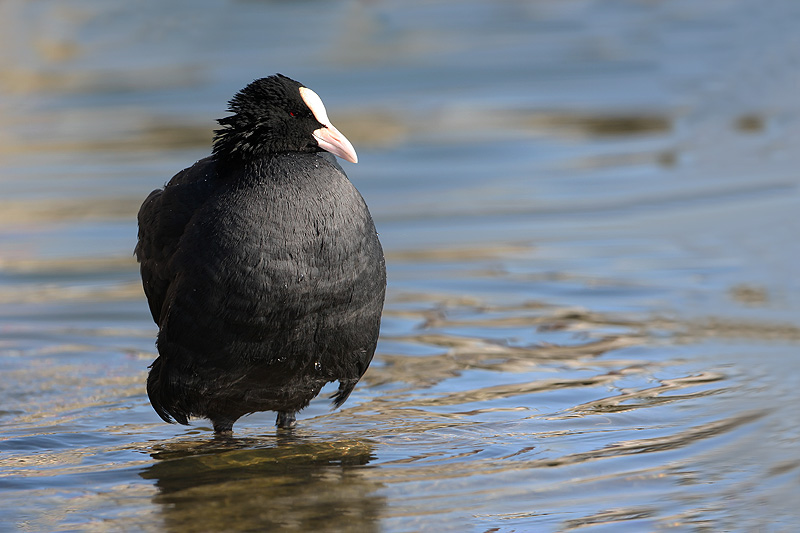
column 261, row 266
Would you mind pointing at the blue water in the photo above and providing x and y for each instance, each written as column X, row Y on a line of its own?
column 589, row 211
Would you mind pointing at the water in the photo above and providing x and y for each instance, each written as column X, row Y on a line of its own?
column 590, row 217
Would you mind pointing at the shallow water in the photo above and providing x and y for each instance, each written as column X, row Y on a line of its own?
column 590, row 219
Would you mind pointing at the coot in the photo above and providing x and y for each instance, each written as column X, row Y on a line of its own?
column 261, row 266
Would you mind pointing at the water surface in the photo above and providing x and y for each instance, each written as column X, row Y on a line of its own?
column 589, row 212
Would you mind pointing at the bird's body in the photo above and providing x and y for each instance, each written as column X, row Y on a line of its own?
column 266, row 278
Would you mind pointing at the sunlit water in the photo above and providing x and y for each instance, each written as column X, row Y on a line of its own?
column 590, row 213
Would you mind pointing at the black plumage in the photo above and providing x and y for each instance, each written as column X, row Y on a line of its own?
column 261, row 266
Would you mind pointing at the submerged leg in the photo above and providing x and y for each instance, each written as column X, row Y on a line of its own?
column 285, row 420
column 223, row 427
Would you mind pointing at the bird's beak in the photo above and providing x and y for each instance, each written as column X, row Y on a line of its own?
column 328, row 137
column 332, row 140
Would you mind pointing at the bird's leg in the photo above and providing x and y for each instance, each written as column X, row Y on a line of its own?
column 285, row 420
column 223, row 427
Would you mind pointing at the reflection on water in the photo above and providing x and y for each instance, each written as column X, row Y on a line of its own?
column 288, row 483
column 589, row 217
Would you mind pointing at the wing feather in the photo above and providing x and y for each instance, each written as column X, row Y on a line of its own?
column 163, row 218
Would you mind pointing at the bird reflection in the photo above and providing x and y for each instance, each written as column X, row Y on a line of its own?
column 284, row 482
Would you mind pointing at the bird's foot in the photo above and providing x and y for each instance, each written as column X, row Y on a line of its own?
column 285, row 420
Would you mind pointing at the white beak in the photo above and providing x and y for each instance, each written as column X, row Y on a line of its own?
column 328, row 137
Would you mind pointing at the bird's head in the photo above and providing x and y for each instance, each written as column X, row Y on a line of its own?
column 277, row 115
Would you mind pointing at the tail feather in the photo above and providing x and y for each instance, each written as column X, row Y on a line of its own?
column 160, row 397
column 345, row 388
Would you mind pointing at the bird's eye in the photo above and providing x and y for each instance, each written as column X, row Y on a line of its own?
column 291, row 113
